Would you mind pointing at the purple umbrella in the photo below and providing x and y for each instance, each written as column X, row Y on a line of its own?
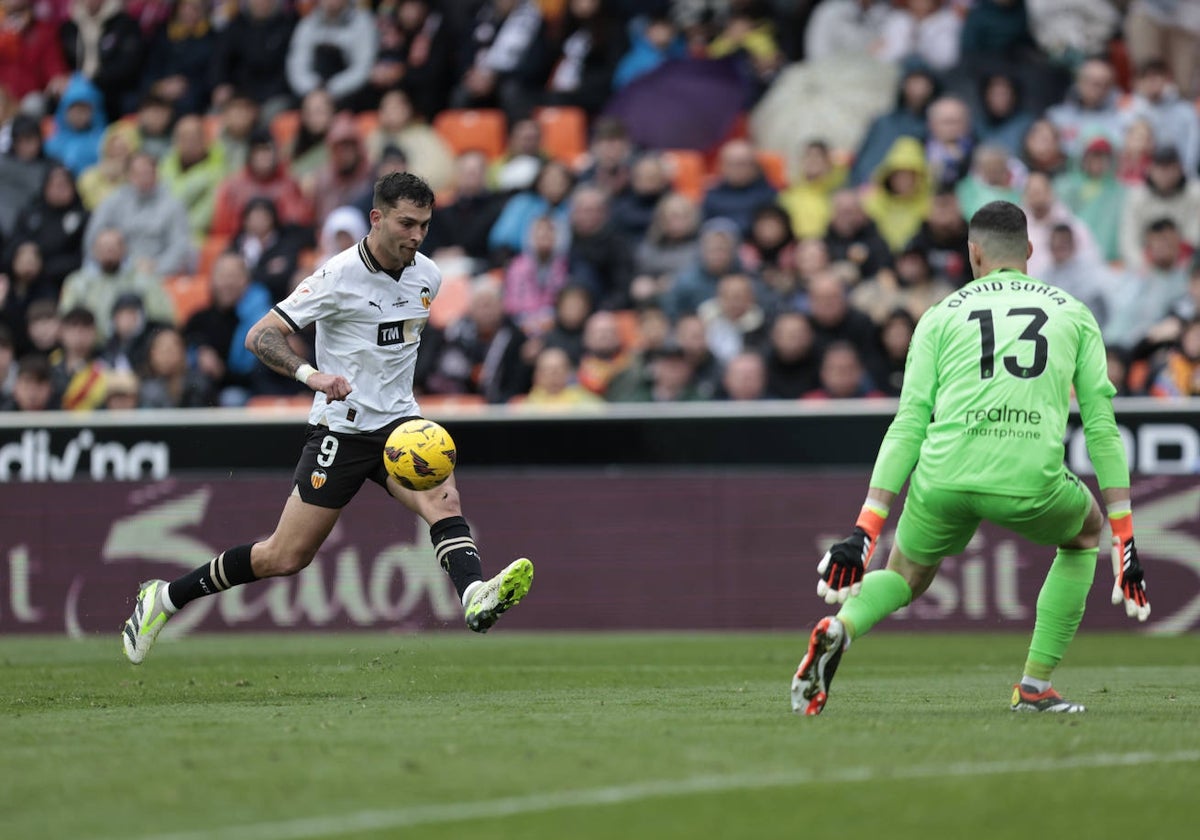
column 686, row 103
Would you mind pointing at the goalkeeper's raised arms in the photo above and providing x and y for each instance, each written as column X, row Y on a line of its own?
column 844, row 564
column 1129, row 583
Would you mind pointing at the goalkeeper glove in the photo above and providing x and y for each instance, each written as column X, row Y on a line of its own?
column 1129, row 583
column 844, row 564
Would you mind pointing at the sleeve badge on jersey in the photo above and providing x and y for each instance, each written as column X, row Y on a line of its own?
column 426, row 297
column 318, row 479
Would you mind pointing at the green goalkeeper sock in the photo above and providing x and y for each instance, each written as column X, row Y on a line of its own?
column 883, row 592
column 1060, row 608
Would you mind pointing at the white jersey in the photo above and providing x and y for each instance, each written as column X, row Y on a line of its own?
column 369, row 327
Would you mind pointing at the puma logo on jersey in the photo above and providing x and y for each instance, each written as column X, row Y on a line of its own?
column 376, row 305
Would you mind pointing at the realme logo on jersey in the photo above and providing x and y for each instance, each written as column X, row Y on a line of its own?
column 1004, row 414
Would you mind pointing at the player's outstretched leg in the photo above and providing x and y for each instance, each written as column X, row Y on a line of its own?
column 148, row 619
column 810, row 686
column 490, row 599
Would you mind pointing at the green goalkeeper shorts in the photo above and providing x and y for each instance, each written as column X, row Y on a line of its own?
column 938, row 522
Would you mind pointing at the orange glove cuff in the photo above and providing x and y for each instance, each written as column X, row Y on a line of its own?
column 1122, row 526
column 871, row 521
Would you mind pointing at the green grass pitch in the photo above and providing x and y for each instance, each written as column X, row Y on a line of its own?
column 512, row 735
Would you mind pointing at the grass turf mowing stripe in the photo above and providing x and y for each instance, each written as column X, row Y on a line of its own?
column 376, row 820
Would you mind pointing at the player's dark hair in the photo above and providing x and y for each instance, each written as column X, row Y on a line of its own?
column 402, row 186
column 1000, row 229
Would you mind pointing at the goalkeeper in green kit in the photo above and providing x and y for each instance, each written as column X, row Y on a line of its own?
column 980, row 427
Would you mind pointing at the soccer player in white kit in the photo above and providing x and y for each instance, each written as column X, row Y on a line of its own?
column 370, row 304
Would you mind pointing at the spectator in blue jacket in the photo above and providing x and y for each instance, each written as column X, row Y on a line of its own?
column 741, row 187
column 652, row 40
column 79, row 125
column 917, row 90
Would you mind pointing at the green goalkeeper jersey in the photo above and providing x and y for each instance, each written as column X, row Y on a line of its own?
column 987, row 391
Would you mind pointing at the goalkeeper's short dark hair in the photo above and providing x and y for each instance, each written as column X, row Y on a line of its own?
column 1001, row 230
column 402, row 186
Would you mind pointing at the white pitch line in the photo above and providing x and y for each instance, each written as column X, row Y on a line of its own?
column 362, row 821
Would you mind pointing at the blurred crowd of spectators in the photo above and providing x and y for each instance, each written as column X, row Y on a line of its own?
column 153, row 150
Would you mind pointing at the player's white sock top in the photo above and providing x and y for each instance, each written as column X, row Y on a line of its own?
column 469, row 591
column 1034, row 682
column 165, row 594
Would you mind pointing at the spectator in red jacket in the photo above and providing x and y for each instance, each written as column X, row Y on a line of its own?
column 31, row 60
column 264, row 175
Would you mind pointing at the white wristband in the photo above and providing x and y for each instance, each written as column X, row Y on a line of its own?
column 304, row 372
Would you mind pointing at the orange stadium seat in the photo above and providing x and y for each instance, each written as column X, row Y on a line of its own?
column 453, row 300
column 366, row 122
column 465, row 129
column 774, row 167
column 564, row 132
column 213, row 247
column 284, row 127
column 688, row 175
column 190, row 293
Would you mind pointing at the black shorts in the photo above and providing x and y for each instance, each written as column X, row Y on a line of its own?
column 334, row 465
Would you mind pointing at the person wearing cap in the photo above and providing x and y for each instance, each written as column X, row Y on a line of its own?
column 128, row 334
column 1095, row 196
column 106, row 275
column 264, row 175
column 1166, row 193
column 1174, row 119
column 341, row 229
column 121, row 390
column 666, row 375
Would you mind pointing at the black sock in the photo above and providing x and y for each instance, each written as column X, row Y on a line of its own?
column 456, row 551
column 229, row 568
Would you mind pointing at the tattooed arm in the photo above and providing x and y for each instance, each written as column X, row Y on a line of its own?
column 267, row 339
